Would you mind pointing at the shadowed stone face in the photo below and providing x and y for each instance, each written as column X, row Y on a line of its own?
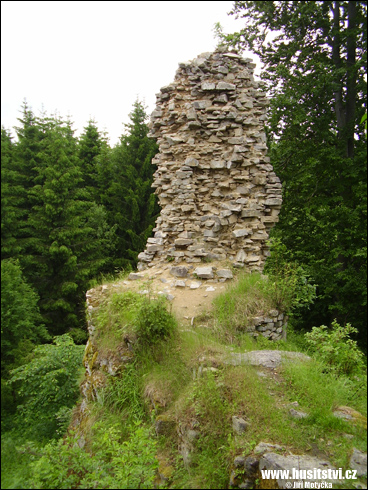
column 216, row 187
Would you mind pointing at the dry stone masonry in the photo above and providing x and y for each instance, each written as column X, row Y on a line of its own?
column 272, row 326
column 217, row 189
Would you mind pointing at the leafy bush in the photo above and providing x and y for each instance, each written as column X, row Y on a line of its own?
column 16, row 456
column 132, row 463
column 154, row 322
column 47, row 384
column 289, row 286
column 132, row 313
column 334, row 348
column 62, row 465
column 78, row 335
column 20, row 316
column 112, row 463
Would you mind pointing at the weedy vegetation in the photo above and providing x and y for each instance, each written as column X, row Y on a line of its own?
column 165, row 419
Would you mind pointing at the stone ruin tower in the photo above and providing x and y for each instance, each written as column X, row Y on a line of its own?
column 216, row 187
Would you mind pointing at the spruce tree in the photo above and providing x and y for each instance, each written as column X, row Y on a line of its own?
column 18, row 163
column 10, row 201
column 130, row 199
column 89, row 148
column 63, row 256
column 94, row 155
column 65, row 245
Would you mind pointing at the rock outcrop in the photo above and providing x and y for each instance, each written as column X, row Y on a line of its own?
column 218, row 193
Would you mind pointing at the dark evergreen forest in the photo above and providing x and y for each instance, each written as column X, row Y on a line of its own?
column 73, row 210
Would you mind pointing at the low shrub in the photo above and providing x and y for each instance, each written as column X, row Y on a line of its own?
column 289, row 286
column 153, row 322
column 336, row 349
column 47, row 386
column 132, row 313
column 286, row 289
column 113, row 462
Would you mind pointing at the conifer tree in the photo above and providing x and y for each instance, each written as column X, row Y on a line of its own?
column 315, row 72
column 18, row 164
column 9, row 199
column 129, row 199
column 89, row 148
column 59, row 235
column 73, row 209
column 65, row 251
column 94, row 155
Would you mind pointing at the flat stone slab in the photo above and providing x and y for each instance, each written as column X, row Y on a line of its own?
column 134, row 277
column 225, row 273
column 358, row 462
column 204, row 272
column 297, row 414
column 179, row 271
column 264, row 447
column 265, row 358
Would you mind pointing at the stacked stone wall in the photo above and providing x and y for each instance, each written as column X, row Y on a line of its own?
column 217, row 189
column 272, row 326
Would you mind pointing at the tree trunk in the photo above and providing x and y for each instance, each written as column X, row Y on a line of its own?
column 351, row 78
column 339, row 105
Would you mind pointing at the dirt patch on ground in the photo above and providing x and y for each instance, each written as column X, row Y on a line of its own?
column 189, row 296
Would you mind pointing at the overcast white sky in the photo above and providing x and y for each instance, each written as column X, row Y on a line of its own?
column 93, row 59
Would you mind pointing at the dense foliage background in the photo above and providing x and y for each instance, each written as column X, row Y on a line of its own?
column 74, row 208
column 71, row 209
column 314, row 57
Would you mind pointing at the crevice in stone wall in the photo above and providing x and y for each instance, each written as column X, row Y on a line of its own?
column 218, row 193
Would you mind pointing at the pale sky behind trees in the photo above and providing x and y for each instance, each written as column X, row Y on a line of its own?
column 92, row 60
